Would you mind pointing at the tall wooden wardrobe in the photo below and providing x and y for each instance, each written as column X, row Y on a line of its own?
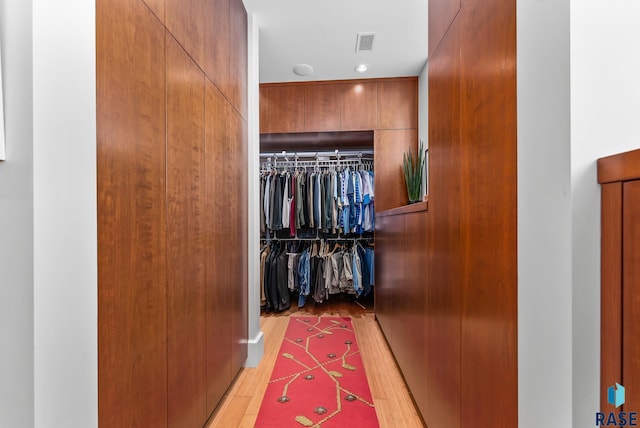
column 172, row 207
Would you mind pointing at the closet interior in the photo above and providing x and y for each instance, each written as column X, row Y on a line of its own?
column 317, row 220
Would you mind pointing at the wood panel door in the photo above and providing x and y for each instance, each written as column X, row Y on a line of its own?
column 383, row 271
column 444, row 292
column 285, row 109
column 185, row 240
column 398, row 104
column 132, row 322
column 412, row 311
column 218, row 257
column 441, row 15
column 237, row 201
column 322, row 108
column 358, row 106
column 489, row 216
column 631, row 293
column 611, row 289
column 238, row 57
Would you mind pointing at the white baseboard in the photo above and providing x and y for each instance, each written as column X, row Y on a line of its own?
column 255, row 350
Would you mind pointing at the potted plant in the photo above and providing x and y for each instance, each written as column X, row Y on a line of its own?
column 413, row 167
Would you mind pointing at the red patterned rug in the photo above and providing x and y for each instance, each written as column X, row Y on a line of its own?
column 318, row 379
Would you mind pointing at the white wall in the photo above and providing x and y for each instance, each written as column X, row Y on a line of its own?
column 256, row 338
column 544, row 215
column 605, row 101
column 65, row 237
column 16, row 219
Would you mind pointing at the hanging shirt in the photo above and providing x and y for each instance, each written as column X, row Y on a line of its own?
column 267, row 200
column 317, row 202
column 263, row 226
column 286, row 202
column 300, row 184
column 310, row 199
column 292, row 207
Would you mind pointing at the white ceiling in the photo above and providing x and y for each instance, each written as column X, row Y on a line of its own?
column 322, row 33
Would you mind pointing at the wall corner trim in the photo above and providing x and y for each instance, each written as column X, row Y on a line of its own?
column 255, row 350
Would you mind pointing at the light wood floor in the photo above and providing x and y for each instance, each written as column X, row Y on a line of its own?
column 391, row 398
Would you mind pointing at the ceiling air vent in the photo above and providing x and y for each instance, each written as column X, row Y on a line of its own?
column 365, row 42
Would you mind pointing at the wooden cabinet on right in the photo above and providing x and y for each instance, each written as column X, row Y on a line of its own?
column 619, row 176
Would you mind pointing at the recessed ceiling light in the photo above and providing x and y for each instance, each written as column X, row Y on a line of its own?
column 361, row 68
column 303, row 69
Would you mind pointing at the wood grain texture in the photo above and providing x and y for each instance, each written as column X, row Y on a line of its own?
column 239, row 262
column 358, row 106
column 489, row 366
column 412, row 307
column 185, row 240
column 389, row 147
column 322, row 108
column 631, row 294
column 398, row 104
column 157, row 7
column 620, row 167
column 218, row 256
column 132, row 352
column 217, row 44
column 441, row 15
column 187, row 22
column 611, row 289
column 238, row 57
column 285, row 109
column 442, row 317
column 385, row 270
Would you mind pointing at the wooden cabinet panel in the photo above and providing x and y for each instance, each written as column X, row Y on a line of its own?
column 489, row 214
column 442, row 321
column 285, row 109
column 389, row 271
column 611, row 289
column 631, row 293
column 413, row 312
column 185, row 240
column 132, row 323
column 157, row 7
column 218, row 255
column 188, row 23
column 389, row 147
column 398, row 104
column 358, row 106
column 202, row 28
column 238, row 56
column 441, row 15
column 322, row 109
column 382, row 259
column 217, row 34
column 239, row 265
column 264, row 110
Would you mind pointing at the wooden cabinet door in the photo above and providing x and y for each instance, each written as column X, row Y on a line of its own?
column 631, row 293
column 132, row 305
column 322, row 110
column 186, row 325
column 441, row 15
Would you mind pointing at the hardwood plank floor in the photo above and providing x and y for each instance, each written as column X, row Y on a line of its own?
column 391, row 398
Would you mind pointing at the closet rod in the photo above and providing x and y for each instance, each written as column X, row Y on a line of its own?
column 314, row 155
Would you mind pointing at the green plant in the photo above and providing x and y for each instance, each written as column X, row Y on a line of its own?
column 413, row 167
